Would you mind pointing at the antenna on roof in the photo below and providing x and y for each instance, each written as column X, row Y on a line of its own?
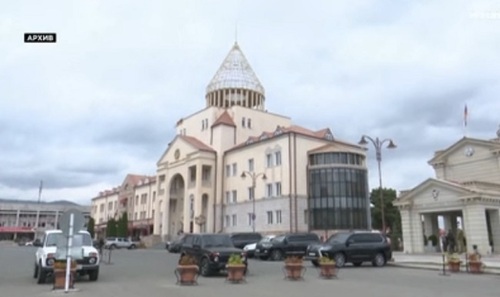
column 236, row 33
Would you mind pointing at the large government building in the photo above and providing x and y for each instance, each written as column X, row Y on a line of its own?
column 235, row 167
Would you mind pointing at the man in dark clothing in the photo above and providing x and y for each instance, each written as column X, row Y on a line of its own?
column 450, row 239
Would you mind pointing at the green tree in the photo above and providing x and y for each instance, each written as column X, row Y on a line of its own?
column 91, row 226
column 391, row 213
column 111, row 228
column 123, row 225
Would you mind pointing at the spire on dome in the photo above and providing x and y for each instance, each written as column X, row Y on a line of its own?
column 235, row 83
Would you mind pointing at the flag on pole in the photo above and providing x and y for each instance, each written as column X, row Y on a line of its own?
column 465, row 115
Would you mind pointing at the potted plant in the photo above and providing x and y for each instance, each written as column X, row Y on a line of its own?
column 236, row 268
column 187, row 270
column 327, row 267
column 475, row 263
column 454, row 262
column 294, row 266
column 60, row 274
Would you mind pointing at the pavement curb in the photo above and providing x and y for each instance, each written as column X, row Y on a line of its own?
column 438, row 267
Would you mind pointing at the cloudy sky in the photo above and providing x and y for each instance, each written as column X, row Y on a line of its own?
column 103, row 101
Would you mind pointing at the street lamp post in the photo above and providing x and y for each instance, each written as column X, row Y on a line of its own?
column 377, row 143
column 254, row 177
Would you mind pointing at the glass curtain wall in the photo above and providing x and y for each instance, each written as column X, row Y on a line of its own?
column 337, row 195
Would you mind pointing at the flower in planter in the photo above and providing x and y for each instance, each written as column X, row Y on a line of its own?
column 453, row 258
column 186, row 260
column 293, row 260
column 235, row 259
column 326, row 261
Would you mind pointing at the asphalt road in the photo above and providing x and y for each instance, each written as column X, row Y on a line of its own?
column 151, row 273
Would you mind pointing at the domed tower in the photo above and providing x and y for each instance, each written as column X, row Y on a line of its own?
column 235, row 83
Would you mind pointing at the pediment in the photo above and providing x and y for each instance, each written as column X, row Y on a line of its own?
column 465, row 147
column 182, row 146
column 434, row 191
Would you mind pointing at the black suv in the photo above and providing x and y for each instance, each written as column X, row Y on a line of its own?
column 212, row 251
column 293, row 244
column 352, row 247
column 242, row 239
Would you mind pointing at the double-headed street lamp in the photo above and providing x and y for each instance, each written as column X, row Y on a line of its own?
column 378, row 150
column 254, row 177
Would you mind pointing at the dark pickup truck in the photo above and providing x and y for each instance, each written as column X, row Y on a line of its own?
column 212, row 251
column 352, row 247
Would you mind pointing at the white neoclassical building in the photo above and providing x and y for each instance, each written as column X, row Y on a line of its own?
column 465, row 192
column 296, row 179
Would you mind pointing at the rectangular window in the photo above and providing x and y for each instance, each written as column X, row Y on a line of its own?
column 250, row 165
column 278, row 217
column 235, row 169
column 243, row 122
column 227, row 221
column 269, row 190
column 235, row 220
column 278, row 189
column 251, row 194
column 235, row 197
column 306, row 217
column 269, row 160
column 250, row 219
column 228, row 170
column 277, row 156
column 269, row 217
column 249, row 123
column 228, row 197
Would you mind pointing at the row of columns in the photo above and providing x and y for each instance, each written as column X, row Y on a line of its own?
column 226, row 98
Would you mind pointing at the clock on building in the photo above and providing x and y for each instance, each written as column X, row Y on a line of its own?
column 469, row 151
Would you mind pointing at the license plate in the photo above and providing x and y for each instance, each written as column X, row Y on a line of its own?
column 79, row 267
column 312, row 254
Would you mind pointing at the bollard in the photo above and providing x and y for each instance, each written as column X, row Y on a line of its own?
column 109, row 256
column 443, row 273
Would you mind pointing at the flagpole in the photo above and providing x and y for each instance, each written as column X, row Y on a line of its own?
column 40, row 191
column 466, row 114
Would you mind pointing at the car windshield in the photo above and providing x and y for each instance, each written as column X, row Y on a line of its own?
column 278, row 238
column 53, row 239
column 339, row 238
column 267, row 239
column 217, row 241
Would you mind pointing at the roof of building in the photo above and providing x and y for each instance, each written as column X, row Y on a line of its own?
column 235, row 73
column 196, row 143
column 57, row 202
column 224, row 119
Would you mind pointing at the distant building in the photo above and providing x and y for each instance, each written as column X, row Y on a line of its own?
column 465, row 193
column 27, row 219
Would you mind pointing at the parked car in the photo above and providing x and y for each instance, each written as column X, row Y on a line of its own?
column 293, row 244
column 175, row 246
column 120, row 243
column 352, row 247
column 249, row 249
column 240, row 240
column 212, row 251
column 45, row 256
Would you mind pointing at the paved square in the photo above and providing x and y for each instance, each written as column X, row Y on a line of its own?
column 149, row 273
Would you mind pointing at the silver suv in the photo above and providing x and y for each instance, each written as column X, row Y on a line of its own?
column 119, row 243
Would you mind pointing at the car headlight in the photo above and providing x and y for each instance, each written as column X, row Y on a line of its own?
column 266, row 245
column 92, row 260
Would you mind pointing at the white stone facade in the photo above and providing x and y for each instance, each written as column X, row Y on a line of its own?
column 467, row 186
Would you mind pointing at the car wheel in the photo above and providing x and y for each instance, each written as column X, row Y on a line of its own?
column 35, row 273
column 132, row 247
column 357, row 264
column 112, row 247
column 379, row 260
column 42, row 275
column 205, row 267
column 315, row 263
column 276, row 255
column 94, row 275
column 339, row 259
